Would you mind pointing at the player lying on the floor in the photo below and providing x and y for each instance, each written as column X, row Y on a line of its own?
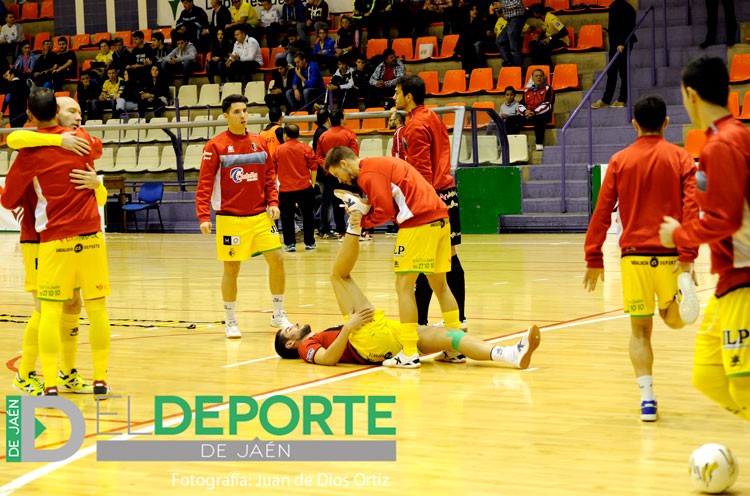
column 369, row 338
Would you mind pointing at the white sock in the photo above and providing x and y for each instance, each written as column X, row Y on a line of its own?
column 229, row 307
column 278, row 304
column 646, row 383
column 503, row 354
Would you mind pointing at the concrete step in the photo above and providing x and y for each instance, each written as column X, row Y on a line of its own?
column 579, row 154
column 607, row 117
column 665, row 76
column 551, row 205
column 678, row 56
column 552, row 172
column 546, row 189
column 574, row 222
column 623, row 135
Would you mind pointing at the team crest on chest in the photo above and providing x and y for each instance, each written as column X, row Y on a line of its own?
column 230, row 149
column 254, row 146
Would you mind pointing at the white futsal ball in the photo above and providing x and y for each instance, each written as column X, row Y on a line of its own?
column 713, row 468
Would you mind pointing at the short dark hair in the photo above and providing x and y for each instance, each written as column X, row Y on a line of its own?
column 157, row 36
column 117, row 40
column 399, row 117
column 336, row 117
column 321, row 116
column 709, row 77
column 226, row 104
column 300, row 55
column 274, row 114
column 649, row 112
column 387, row 52
column 414, row 86
column 24, row 43
column 338, row 154
column 62, row 38
column 279, row 345
column 137, row 34
column 281, row 62
column 509, row 88
column 43, row 104
column 291, row 131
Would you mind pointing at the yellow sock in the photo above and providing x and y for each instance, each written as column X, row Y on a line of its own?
column 99, row 336
column 68, row 341
column 30, row 348
column 49, row 340
column 451, row 319
column 408, row 338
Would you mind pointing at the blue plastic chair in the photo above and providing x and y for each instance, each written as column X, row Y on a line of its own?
column 149, row 198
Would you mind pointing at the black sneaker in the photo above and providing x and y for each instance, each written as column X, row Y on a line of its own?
column 101, row 390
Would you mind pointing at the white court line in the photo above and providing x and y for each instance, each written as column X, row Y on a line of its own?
column 40, row 472
column 307, row 305
column 248, row 362
column 499, row 283
column 540, row 280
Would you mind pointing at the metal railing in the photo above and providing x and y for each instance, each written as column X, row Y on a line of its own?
column 586, row 101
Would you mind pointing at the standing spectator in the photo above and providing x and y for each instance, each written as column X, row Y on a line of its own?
column 361, row 13
column 537, row 107
column 472, row 41
column 413, row 19
column 307, row 85
column 181, row 59
column 296, row 168
column 293, row 16
column 243, row 17
column 383, row 79
column 435, row 10
column 245, row 57
column 621, row 23
column 220, row 17
column 87, row 94
column 16, row 98
column 712, row 9
column 342, row 86
column 316, row 15
column 67, row 64
column 324, row 49
column 269, row 23
column 216, row 65
column 154, row 93
column 11, row 36
column 160, row 49
column 143, row 57
column 121, row 56
column 26, row 61
column 554, row 35
column 348, row 39
column 283, row 79
column 192, row 22
column 111, row 91
column 45, row 63
column 511, row 38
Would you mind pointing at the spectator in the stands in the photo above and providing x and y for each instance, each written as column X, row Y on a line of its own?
column 342, row 85
column 45, row 64
column 348, row 40
column 538, row 106
column 11, row 36
column 293, row 16
column 316, row 15
column 104, row 57
column 24, row 64
column 554, row 35
column 216, row 65
column 361, row 77
column 220, row 17
column 412, row 21
column 621, row 23
column 87, row 94
column 269, row 23
column 511, row 38
column 154, row 93
column 307, row 86
column 473, row 42
column 192, row 22
column 712, row 11
column 372, row 14
column 110, row 96
column 324, row 50
column 67, row 64
column 383, row 80
column 243, row 16
column 435, row 11
column 130, row 92
column 509, row 112
column 121, row 56
column 283, row 80
column 16, row 98
column 245, row 58
column 181, row 60
column 143, row 57
column 295, row 44
column 160, row 49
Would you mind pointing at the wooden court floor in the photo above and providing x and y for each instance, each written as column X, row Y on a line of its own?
column 566, row 426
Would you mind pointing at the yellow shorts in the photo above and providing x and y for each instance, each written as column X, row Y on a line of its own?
column 30, row 252
column 376, row 340
column 724, row 336
column 646, row 276
column 239, row 238
column 70, row 263
column 423, row 249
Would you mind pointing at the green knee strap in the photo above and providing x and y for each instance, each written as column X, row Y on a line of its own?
column 456, row 337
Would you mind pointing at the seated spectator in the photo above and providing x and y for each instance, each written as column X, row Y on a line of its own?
column 24, row 64
column 342, row 86
column 269, row 23
column 130, row 92
column 245, row 58
column 192, row 22
column 121, row 56
column 160, row 49
column 45, row 64
column 87, row 94
column 220, row 17
column 11, row 36
column 348, row 40
column 295, row 44
column 316, row 15
column 103, row 59
column 16, row 98
column 509, row 113
column 154, row 93
column 554, row 35
column 293, row 16
column 537, row 106
column 143, row 57
column 243, row 16
column 282, row 82
column 67, row 64
column 216, row 65
column 111, row 91
column 473, row 42
column 361, row 77
column 383, row 80
column 307, row 85
column 324, row 50
column 181, row 59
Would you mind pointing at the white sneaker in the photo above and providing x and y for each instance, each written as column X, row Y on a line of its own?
column 526, row 346
column 403, row 361
column 464, row 325
column 352, row 202
column 540, row 148
column 690, row 304
column 233, row 332
column 450, row 356
column 280, row 320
